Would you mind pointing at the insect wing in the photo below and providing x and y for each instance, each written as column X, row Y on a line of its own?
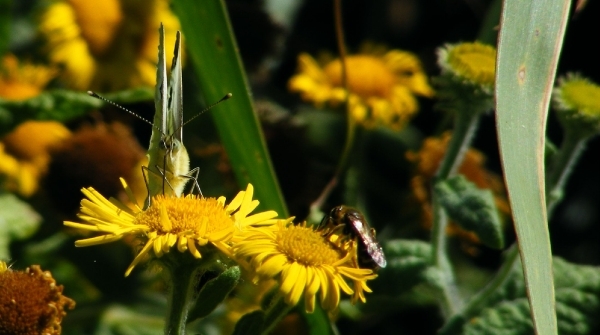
column 160, row 103
column 174, row 120
column 367, row 238
column 167, row 157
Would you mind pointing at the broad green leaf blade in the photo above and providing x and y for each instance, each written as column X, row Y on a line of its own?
column 530, row 41
column 471, row 208
column 213, row 50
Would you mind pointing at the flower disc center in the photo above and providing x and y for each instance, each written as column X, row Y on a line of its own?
column 306, row 246
column 367, row 75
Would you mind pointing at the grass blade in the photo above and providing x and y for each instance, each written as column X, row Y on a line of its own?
column 530, row 41
column 212, row 48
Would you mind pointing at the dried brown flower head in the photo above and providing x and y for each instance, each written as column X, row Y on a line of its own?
column 31, row 302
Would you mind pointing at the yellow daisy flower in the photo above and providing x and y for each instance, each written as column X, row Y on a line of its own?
column 428, row 159
column 190, row 222
column 20, row 81
column 107, row 45
column 381, row 86
column 304, row 263
column 576, row 100
column 31, row 302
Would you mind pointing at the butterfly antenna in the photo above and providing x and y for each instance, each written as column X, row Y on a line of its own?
column 95, row 95
column 227, row 96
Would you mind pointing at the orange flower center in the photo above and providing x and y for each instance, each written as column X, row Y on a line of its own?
column 367, row 76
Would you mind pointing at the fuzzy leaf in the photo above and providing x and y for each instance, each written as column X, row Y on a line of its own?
column 406, row 259
column 471, row 208
column 250, row 324
column 214, row 292
column 60, row 105
column 18, row 221
column 577, row 303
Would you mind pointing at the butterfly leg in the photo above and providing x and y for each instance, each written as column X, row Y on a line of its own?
column 193, row 175
column 145, row 172
column 163, row 175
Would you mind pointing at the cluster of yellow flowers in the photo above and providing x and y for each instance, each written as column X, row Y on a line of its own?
column 103, row 46
column 300, row 258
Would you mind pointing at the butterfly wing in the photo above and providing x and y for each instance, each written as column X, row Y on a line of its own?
column 175, row 119
column 177, row 160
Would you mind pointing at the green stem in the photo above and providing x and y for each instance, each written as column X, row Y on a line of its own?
column 479, row 301
column 488, row 33
column 464, row 130
column 182, row 284
column 465, row 126
column 315, row 207
column 450, row 299
column 570, row 151
column 277, row 311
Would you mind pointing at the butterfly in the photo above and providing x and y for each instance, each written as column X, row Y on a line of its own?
column 168, row 161
column 168, row 169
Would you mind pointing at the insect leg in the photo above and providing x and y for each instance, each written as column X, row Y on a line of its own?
column 163, row 174
column 145, row 170
column 193, row 175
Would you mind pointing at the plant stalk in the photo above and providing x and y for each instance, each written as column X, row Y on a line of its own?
column 465, row 127
column 570, row 151
column 182, row 285
column 277, row 311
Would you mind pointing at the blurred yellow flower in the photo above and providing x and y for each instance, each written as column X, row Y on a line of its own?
column 471, row 62
column 577, row 103
column 107, row 45
column 189, row 222
column 30, row 302
column 25, row 154
column 22, row 80
column 382, row 86
column 304, row 263
column 427, row 161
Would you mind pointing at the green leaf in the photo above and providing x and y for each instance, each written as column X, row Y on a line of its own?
column 531, row 36
column 213, row 51
column 18, row 221
column 472, row 208
column 577, row 304
column 122, row 320
column 60, row 105
column 408, row 261
column 214, row 292
column 250, row 324
column 318, row 322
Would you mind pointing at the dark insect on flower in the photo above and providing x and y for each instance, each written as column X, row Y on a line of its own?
column 354, row 226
